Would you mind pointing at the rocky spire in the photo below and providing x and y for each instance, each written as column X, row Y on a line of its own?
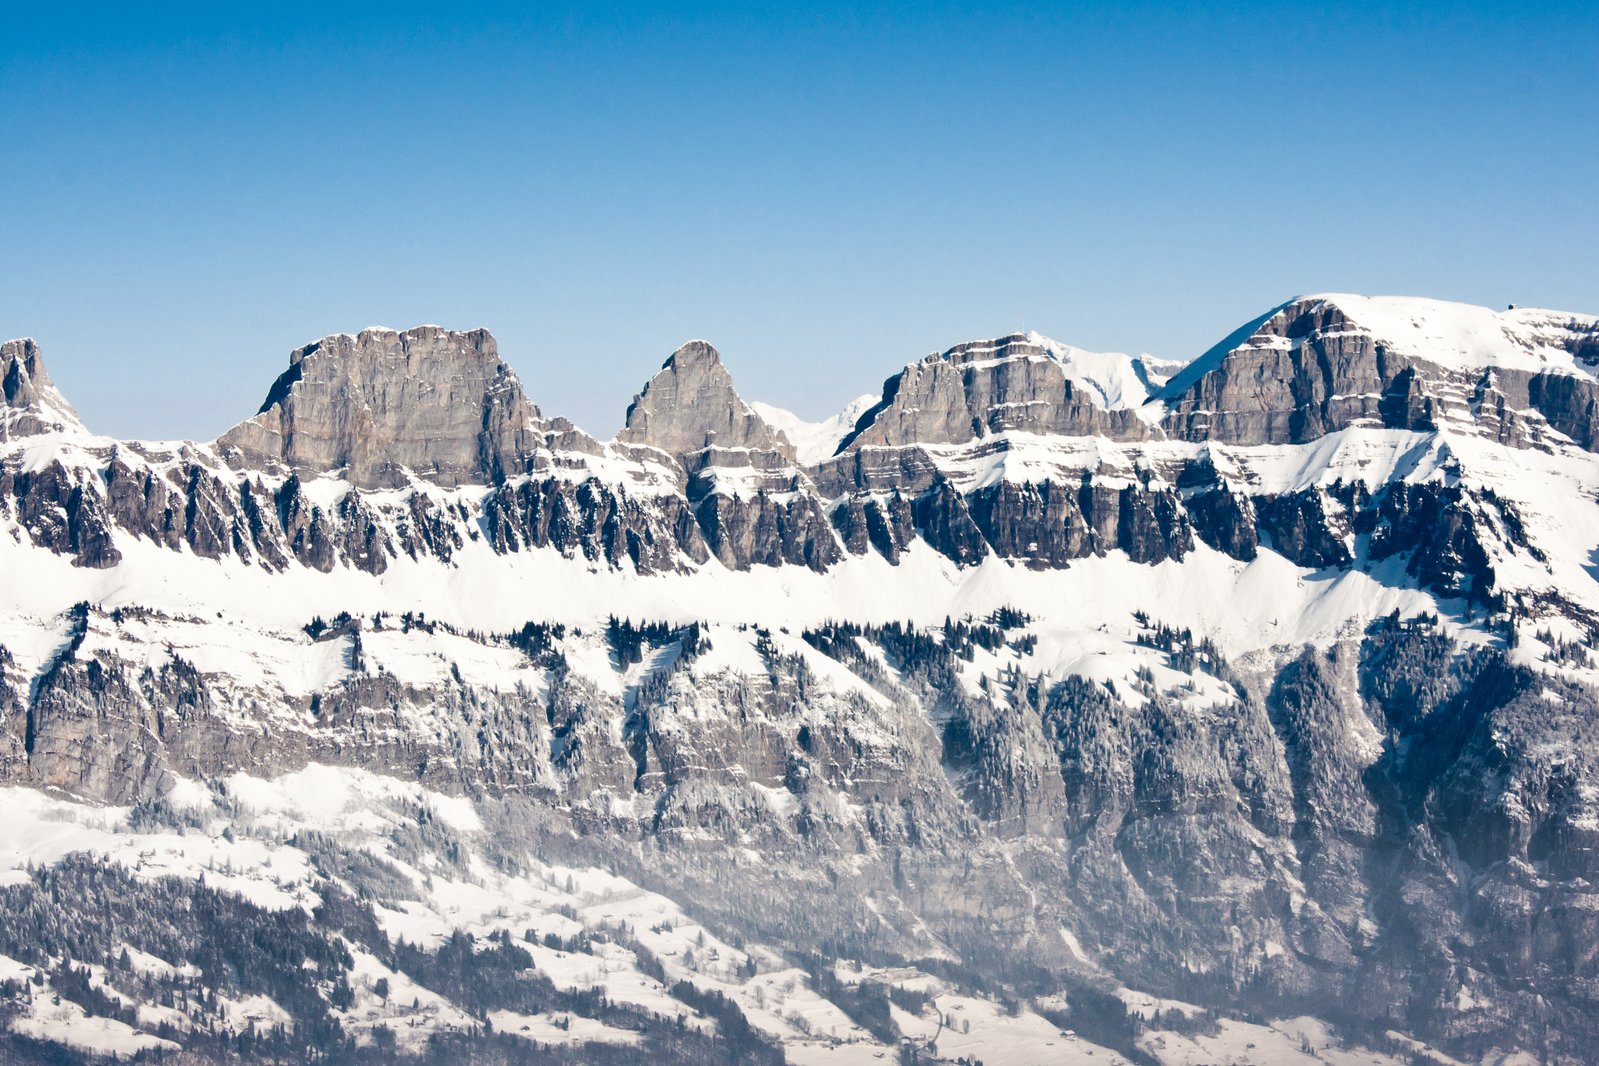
column 33, row 404
column 377, row 404
column 691, row 405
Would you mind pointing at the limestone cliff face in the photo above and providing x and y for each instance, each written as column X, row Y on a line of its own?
column 379, row 404
column 1320, row 364
column 1303, row 373
column 1006, row 448
column 1427, row 807
column 974, row 390
column 752, row 502
column 690, row 407
column 33, row 404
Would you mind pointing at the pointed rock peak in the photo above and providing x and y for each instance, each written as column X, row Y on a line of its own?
column 33, row 405
column 693, row 353
column 690, row 405
column 383, row 405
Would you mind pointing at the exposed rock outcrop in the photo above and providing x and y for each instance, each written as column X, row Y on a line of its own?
column 1021, row 382
column 33, row 404
column 691, row 410
column 381, row 405
column 1392, row 807
column 1325, row 363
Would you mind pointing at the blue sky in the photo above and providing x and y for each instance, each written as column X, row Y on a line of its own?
column 188, row 193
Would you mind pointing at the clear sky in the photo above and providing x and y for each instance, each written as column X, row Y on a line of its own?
column 188, row 193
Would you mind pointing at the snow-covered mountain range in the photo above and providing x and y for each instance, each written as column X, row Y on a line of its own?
column 1236, row 709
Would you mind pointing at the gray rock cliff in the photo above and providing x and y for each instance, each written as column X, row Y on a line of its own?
column 33, row 404
column 690, row 406
column 985, row 387
column 380, row 404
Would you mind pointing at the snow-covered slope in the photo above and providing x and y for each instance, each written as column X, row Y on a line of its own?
column 580, row 928
column 1472, row 337
column 815, row 441
column 1117, row 380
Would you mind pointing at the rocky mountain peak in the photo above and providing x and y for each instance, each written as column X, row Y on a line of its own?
column 690, row 405
column 33, row 404
column 381, row 405
column 1021, row 381
column 692, row 353
column 1452, row 336
column 1317, row 364
column 1015, row 345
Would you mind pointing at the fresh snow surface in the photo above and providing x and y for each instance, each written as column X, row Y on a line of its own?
column 1464, row 335
column 61, row 1021
column 336, row 798
column 559, row 1028
column 1111, row 380
column 1247, row 607
column 974, row 1027
column 1285, row 1042
column 814, row 441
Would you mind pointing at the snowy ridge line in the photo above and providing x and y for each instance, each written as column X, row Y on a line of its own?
column 482, row 587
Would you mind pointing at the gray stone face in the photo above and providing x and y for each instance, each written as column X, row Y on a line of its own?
column 1426, row 806
column 691, row 406
column 986, row 387
column 1309, row 369
column 375, row 405
column 443, row 406
column 33, row 404
column 752, row 502
column 1305, row 372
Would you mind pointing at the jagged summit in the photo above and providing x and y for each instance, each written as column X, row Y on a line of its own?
column 381, row 405
column 1450, row 335
column 1274, row 688
column 33, row 405
column 690, row 406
